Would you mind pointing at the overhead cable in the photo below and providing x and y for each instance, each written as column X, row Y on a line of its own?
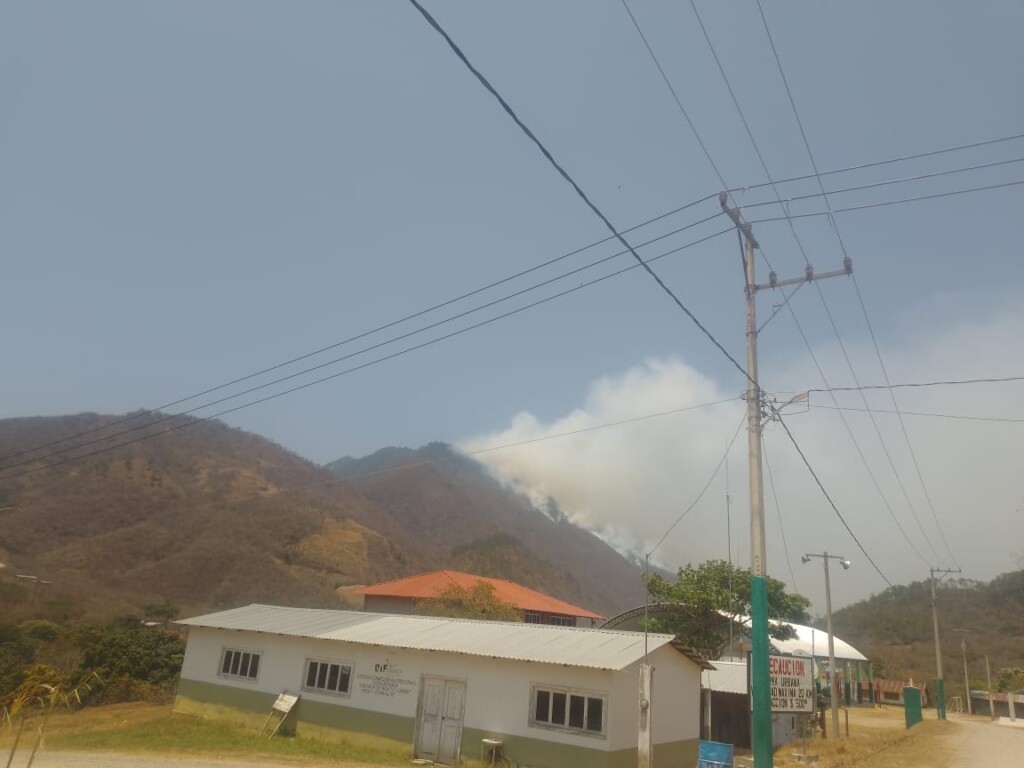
column 353, row 369
column 956, row 416
column 579, row 192
column 885, row 203
column 889, row 161
column 828, row 498
column 703, row 490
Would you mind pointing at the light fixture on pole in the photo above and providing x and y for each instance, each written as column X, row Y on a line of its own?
column 833, row 697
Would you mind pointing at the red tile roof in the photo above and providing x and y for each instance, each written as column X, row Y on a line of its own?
column 427, row 585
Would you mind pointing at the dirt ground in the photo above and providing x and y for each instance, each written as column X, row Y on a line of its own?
column 878, row 739
column 101, row 760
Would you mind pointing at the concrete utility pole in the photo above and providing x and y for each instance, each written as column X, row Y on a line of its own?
column 760, row 679
column 991, row 701
column 833, row 693
column 967, row 680
column 940, row 686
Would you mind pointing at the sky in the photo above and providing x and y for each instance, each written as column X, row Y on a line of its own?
column 193, row 192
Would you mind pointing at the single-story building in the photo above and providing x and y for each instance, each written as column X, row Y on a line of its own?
column 402, row 596
column 557, row 697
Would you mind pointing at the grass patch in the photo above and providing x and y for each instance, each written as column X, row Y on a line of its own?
column 147, row 728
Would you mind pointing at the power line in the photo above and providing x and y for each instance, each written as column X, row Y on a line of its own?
column 675, row 96
column 956, row 416
column 767, row 173
column 778, row 513
column 863, row 306
column 350, row 355
column 703, row 490
column 565, row 175
column 372, row 331
column 903, row 426
column 534, row 268
column 857, row 447
column 918, row 384
column 832, row 504
column 483, row 81
column 887, row 182
column 900, row 201
column 821, row 295
column 360, row 367
column 889, row 161
column 828, row 311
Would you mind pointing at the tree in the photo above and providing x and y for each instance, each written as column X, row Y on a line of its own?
column 710, row 596
column 477, row 602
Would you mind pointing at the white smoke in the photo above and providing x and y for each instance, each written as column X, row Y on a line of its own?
column 631, row 482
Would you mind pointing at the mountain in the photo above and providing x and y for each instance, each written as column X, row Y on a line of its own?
column 205, row 516
column 895, row 629
column 448, row 507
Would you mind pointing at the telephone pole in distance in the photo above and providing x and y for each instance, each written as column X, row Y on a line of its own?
column 940, row 686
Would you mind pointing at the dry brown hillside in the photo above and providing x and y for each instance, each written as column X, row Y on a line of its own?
column 209, row 516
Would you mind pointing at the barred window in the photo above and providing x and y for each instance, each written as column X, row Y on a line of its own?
column 243, row 664
column 568, row 710
column 328, row 676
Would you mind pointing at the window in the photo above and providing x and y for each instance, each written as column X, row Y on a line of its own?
column 328, row 676
column 562, row 621
column 568, row 710
column 532, row 617
column 243, row 664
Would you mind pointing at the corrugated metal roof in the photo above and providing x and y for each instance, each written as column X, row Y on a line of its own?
column 592, row 648
column 728, row 677
column 427, row 585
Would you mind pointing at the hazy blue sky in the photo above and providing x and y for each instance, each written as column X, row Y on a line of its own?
column 192, row 191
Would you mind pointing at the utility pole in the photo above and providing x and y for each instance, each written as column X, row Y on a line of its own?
column 991, row 701
column 940, row 686
column 967, row 680
column 760, row 679
column 833, row 693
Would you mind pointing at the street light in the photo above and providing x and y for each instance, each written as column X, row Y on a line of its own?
column 834, row 699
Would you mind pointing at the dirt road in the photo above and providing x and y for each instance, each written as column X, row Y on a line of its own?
column 974, row 743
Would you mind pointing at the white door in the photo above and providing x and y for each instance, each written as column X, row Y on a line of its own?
column 439, row 731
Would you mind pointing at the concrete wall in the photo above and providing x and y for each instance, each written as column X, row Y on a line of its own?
column 385, row 694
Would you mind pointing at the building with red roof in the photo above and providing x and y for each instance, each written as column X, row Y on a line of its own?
column 402, row 595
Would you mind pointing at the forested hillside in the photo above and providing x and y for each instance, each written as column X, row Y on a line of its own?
column 894, row 629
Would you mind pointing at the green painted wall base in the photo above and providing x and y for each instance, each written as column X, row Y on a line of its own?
column 309, row 719
column 340, row 723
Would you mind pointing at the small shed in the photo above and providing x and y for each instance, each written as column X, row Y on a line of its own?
column 728, row 717
column 557, row 697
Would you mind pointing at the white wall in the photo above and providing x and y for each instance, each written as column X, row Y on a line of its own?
column 675, row 700
column 497, row 691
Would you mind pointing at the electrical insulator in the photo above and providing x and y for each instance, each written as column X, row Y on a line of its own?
column 773, row 278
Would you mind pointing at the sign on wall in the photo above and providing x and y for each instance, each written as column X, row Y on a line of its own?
column 385, row 680
column 792, row 683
